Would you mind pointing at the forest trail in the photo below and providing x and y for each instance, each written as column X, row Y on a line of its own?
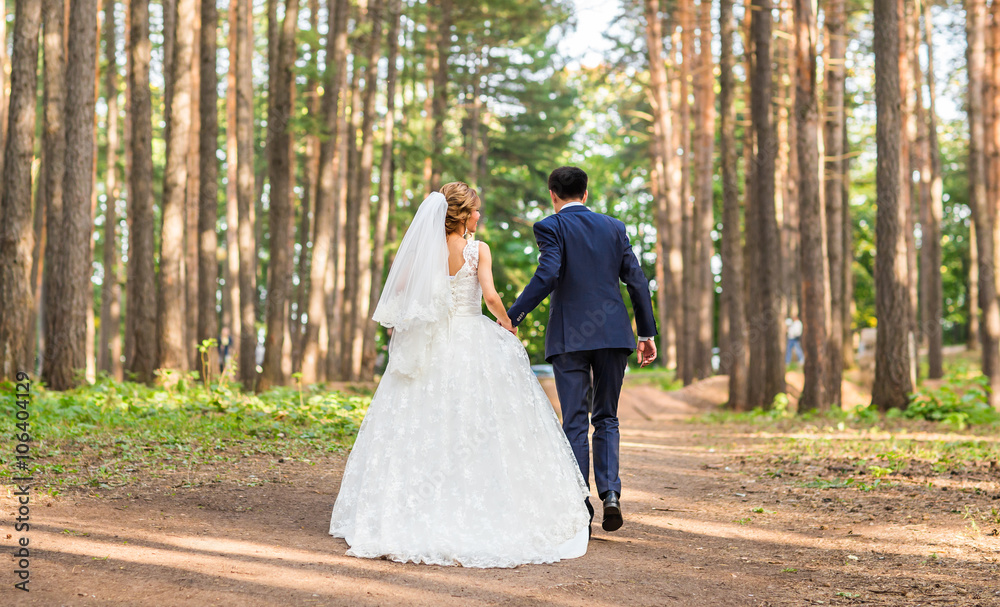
column 704, row 526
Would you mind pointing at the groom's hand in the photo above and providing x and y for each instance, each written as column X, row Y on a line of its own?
column 647, row 352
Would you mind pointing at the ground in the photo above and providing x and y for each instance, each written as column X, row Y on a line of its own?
column 717, row 514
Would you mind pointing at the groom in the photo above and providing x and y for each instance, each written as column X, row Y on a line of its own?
column 582, row 257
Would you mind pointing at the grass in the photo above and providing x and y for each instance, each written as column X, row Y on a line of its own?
column 106, row 434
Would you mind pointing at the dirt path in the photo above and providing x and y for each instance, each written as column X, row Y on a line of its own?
column 691, row 538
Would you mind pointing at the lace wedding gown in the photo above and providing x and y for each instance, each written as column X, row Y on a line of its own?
column 463, row 463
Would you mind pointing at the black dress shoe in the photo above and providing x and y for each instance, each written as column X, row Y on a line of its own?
column 612, row 512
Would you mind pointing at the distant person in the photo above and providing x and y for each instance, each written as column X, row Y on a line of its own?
column 794, row 339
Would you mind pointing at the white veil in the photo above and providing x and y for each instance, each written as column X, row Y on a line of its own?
column 417, row 294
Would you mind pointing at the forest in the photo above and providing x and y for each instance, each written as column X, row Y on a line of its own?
column 185, row 180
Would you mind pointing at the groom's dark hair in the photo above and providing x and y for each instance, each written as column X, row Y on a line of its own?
column 568, row 183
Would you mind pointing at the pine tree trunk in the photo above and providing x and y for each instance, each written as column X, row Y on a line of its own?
column 848, row 248
column 733, row 358
column 689, row 336
column 110, row 345
column 764, row 320
column 385, row 193
column 313, row 366
column 17, row 236
column 3, row 80
column 191, row 200
column 208, row 195
column 440, row 103
column 660, row 184
column 983, row 212
column 171, row 308
column 140, row 312
column 231, row 293
column 338, row 317
column 53, row 164
column 704, row 211
column 307, row 226
column 836, row 43
column 930, row 223
column 66, row 345
column 245, row 193
column 280, row 199
column 352, row 266
column 892, row 373
column 812, row 224
column 906, row 178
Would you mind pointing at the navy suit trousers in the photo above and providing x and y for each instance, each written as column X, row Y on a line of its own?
column 576, row 373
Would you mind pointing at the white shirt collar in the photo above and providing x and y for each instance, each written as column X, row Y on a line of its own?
column 572, row 204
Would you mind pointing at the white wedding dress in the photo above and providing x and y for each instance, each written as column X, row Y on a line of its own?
column 462, row 461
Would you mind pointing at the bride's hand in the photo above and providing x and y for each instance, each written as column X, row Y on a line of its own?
column 506, row 324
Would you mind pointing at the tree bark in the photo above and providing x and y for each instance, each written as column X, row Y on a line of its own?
column 192, row 202
column 892, row 351
column 231, row 293
column 208, row 203
column 689, row 333
column 764, row 322
column 53, row 164
column 906, row 177
column 733, row 359
column 66, row 345
column 3, row 80
column 140, row 357
column 812, row 223
column 704, row 210
column 314, row 366
column 280, row 199
column 385, row 193
column 110, row 348
column 983, row 212
column 171, row 313
column 245, row 195
column 17, row 236
column 440, row 104
column 930, row 222
column 836, row 42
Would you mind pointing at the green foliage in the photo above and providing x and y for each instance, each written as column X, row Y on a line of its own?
column 960, row 402
column 189, row 410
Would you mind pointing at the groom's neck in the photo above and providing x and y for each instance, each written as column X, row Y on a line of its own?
column 559, row 203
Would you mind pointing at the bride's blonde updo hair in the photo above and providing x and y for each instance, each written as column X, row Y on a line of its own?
column 462, row 201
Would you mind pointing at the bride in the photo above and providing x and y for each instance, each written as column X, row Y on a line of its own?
column 460, row 459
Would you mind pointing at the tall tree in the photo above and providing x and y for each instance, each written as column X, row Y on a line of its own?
column 835, row 14
column 385, row 184
column 66, row 345
column 110, row 348
column 208, row 200
column 662, row 115
column 733, row 358
column 171, row 314
column 892, row 373
column 812, row 224
column 281, row 215
column 930, row 221
column 53, row 165
column 231, row 292
column 363, row 357
column 140, row 302
column 326, row 199
column 3, row 79
column 767, row 366
column 192, row 199
column 245, row 194
column 16, row 237
column 704, row 210
column 440, row 101
column 983, row 213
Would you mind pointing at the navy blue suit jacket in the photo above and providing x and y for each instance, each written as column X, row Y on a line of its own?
column 582, row 257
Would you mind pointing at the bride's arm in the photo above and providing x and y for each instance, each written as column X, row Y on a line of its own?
column 490, row 295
